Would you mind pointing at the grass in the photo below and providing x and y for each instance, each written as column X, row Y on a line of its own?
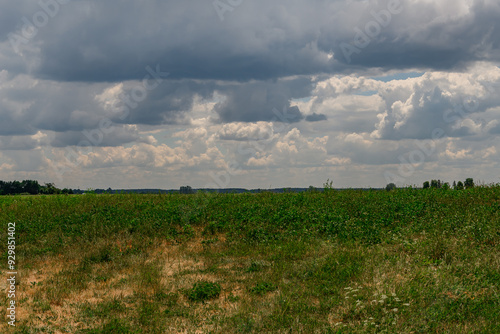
column 203, row 290
column 404, row 261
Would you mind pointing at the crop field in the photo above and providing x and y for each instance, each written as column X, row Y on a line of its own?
column 401, row 261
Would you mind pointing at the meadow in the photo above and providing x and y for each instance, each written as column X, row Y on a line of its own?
column 401, row 261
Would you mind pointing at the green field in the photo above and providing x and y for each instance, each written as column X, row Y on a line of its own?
column 404, row 261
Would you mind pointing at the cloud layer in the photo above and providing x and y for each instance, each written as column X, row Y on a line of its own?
column 295, row 92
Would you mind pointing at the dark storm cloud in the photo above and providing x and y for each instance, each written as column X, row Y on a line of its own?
column 495, row 130
column 28, row 106
column 69, row 109
column 17, row 143
column 263, row 101
column 169, row 103
column 94, row 41
column 13, row 123
column 316, row 117
column 117, row 136
column 424, row 36
column 259, row 58
column 11, row 15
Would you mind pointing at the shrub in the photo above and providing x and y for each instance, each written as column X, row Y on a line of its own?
column 390, row 186
column 204, row 290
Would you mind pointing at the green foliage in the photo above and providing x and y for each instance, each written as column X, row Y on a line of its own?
column 328, row 185
column 436, row 184
column 203, row 290
column 102, row 310
column 469, row 183
column 312, row 189
column 116, row 326
column 390, row 186
column 262, row 288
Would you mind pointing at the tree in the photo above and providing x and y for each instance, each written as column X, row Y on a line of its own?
column 434, row 184
column 446, row 186
column 454, row 184
column 460, row 186
column 31, row 187
column 186, row 190
column 311, row 189
column 50, row 189
column 469, row 183
column 390, row 186
column 328, row 186
column 17, row 187
column 426, row 185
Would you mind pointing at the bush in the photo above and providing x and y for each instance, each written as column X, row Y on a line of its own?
column 204, row 290
column 390, row 186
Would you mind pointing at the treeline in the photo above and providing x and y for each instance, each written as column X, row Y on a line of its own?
column 469, row 183
column 30, row 187
column 438, row 184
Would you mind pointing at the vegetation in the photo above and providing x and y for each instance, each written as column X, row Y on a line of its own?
column 30, row 187
column 390, row 186
column 438, row 184
column 400, row 261
column 203, row 290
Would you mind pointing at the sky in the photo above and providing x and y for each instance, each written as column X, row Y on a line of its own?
column 254, row 94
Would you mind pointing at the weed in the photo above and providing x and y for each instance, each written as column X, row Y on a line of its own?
column 262, row 288
column 203, row 290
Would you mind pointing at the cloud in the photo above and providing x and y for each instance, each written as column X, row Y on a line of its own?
column 268, row 89
column 114, row 136
column 442, row 102
column 263, row 101
column 316, row 117
column 439, row 36
column 493, row 127
column 21, row 143
column 258, row 41
column 246, row 132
